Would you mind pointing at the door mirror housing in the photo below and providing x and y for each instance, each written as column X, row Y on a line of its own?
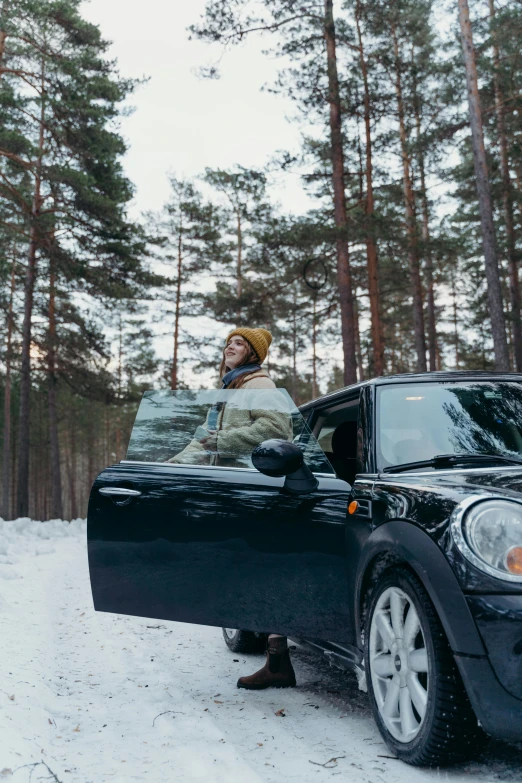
column 281, row 458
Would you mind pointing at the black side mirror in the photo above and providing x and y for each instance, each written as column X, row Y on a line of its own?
column 281, row 458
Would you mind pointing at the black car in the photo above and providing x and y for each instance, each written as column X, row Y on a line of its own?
column 380, row 525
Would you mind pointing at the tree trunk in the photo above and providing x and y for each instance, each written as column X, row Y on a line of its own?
column 56, row 477
column 455, row 322
column 371, row 246
column 494, row 293
column 518, row 177
column 507, row 198
column 3, row 34
column 174, row 373
column 358, row 349
column 14, row 473
column 24, row 427
column 90, row 447
column 72, row 466
column 6, row 461
column 239, row 270
column 294, row 347
column 392, row 363
column 344, row 277
column 315, row 390
column 439, row 359
column 40, row 472
column 35, row 463
column 428, row 269
column 25, row 373
column 120, row 395
column 268, row 327
column 413, row 253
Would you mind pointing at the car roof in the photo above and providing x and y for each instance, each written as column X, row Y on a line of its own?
column 409, row 377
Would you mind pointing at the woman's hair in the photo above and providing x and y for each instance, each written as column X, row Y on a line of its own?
column 250, row 357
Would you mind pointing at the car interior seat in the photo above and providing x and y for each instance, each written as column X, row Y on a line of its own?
column 343, row 456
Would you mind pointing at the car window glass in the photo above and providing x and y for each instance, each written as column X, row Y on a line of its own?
column 334, row 420
column 419, row 421
column 218, row 427
column 336, row 434
column 325, row 438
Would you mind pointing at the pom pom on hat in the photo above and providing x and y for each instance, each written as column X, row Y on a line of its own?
column 259, row 339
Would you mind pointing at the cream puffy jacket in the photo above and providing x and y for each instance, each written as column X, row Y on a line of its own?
column 247, row 419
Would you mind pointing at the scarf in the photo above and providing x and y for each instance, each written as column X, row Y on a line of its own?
column 230, row 376
column 245, row 369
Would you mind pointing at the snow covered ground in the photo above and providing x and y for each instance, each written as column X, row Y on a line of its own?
column 89, row 698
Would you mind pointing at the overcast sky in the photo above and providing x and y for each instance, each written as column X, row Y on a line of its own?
column 181, row 122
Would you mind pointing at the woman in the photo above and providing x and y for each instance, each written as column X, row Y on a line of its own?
column 231, row 433
column 239, row 423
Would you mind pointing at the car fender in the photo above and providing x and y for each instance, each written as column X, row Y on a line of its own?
column 399, row 540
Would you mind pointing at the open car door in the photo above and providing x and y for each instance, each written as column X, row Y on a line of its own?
column 187, row 529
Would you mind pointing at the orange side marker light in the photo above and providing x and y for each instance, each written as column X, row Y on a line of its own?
column 352, row 508
column 514, row 560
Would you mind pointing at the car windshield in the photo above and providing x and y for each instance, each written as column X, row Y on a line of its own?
column 218, row 427
column 416, row 422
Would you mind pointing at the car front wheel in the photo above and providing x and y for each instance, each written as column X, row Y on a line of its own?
column 244, row 641
column 416, row 692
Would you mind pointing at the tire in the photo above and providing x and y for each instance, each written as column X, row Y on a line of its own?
column 417, row 696
column 244, row 641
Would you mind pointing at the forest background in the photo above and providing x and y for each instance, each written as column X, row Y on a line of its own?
column 406, row 259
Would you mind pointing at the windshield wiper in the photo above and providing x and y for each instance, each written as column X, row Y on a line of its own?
column 449, row 460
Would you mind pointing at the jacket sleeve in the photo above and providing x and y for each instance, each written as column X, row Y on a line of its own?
column 192, row 454
column 265, row 424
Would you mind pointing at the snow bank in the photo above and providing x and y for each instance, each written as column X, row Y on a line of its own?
column 24, row 536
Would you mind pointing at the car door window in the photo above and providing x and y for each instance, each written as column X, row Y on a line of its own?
column 219, row 427
column 336, row 433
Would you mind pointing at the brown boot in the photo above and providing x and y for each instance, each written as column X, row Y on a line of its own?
column 277, row 672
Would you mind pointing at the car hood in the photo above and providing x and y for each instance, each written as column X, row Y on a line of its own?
column 505, row 481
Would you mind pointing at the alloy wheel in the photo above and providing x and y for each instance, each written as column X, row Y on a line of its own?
column 399, row 664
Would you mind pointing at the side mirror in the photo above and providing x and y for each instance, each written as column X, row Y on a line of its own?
column 281, row 458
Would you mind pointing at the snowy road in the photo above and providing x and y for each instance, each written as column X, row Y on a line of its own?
column 90, row 698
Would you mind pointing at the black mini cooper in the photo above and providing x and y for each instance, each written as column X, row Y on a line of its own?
column 380, row 525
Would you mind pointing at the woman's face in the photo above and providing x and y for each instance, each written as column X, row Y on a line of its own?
column 235, row 352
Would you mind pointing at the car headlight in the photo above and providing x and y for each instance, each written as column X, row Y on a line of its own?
column 489, row 533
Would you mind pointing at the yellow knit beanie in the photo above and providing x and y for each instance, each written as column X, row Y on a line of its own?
column 259, row 339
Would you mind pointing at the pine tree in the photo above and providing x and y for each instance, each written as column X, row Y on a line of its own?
column 229, row 22
column 371, row 242
column 495, row 306
column 241, row 215
column 5, row 510
column 61, row 163
column 501, row 101
column 187, row 231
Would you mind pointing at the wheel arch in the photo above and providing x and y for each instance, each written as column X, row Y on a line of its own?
column 399, row 542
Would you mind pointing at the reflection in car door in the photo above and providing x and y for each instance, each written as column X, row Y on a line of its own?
column 220, row 546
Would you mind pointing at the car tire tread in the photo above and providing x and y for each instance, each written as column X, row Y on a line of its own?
column 454, row 734
column 246, row 642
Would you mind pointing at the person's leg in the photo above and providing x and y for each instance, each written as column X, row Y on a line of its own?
column 277, row 672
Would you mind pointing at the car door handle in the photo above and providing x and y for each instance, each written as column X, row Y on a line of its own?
column 119, row 492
